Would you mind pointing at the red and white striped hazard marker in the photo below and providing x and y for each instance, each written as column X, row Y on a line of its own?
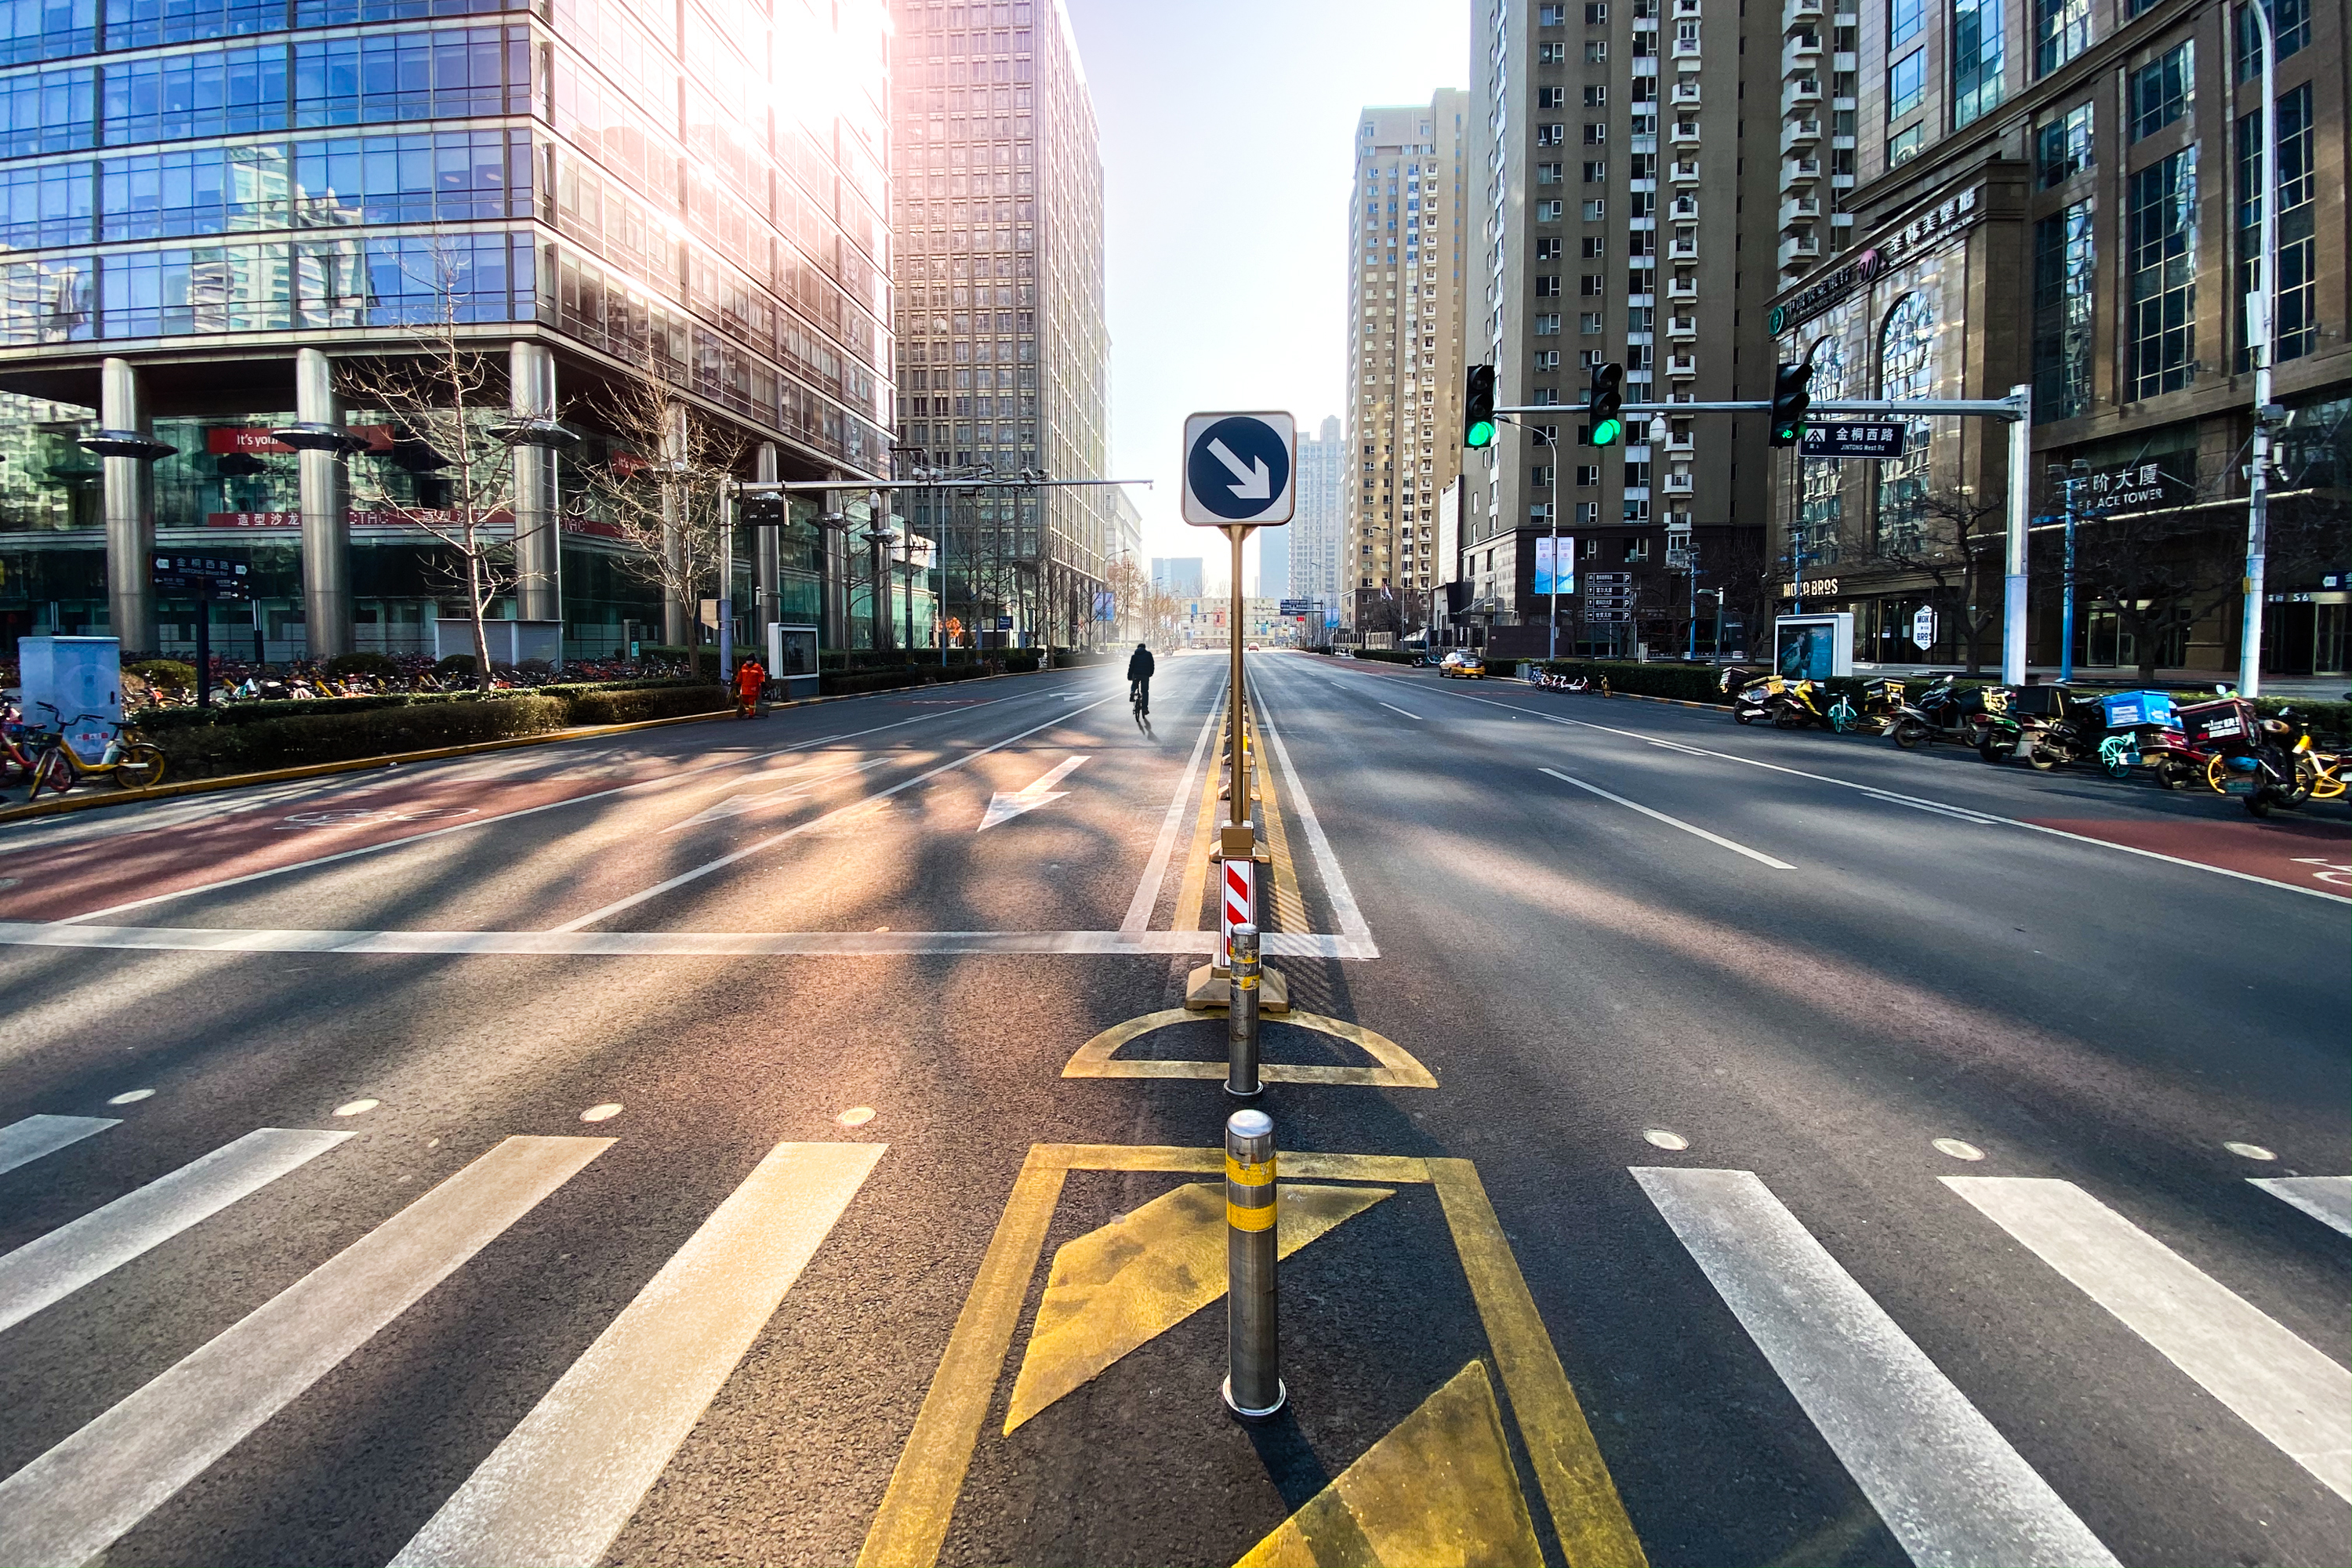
column 1238, row 909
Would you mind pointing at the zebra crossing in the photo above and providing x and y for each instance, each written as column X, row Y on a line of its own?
column 565, row 1482
column 561, row 1486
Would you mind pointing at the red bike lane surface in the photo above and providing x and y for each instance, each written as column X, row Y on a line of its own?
column 98, row 873
column 2316, row 855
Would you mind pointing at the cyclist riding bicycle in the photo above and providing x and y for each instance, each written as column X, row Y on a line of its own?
column 1140, row 666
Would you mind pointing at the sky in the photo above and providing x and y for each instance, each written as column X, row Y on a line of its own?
column 1228, row 130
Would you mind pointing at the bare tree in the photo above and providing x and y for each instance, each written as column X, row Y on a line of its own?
column 446, row 403
column 663, row 490
column 1953, row 539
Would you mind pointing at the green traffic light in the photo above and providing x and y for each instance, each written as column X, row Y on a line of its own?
column 1605, row 434
column 1482, row 433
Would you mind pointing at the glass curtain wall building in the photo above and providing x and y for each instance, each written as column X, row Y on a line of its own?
column 1003, row 354
column 215, row 215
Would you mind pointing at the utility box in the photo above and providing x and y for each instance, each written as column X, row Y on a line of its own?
column 76, row 684
column 791, row 659
column 1813, row 647
column 511, row 642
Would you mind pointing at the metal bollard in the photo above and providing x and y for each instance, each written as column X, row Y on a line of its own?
column 1241, row 995
column 1253, row 1377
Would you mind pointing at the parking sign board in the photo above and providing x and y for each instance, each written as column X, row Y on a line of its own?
column 1239, row 467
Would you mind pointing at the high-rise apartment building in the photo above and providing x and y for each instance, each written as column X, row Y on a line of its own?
column 2067, row 195
column 214, row 212
column 1621, row 157
column 1178, row 576
column 1404, row 357
column 1003, row 352
column 1274, row 562
column 1317, row 530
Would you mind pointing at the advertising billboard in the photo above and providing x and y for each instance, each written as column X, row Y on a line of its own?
column 1555, row 557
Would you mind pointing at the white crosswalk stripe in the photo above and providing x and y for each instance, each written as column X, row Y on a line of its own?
column 53, row 1266
column 565, row 1480
column 2290, row 1393
column 21, row 1142
column 1949, row 1486
column 78, row 1498
column 2328, row 1199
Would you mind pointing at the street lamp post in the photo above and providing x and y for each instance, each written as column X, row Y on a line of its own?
column 2259, row 340
column 2067, row 478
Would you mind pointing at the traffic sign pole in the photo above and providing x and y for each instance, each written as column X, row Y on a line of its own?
column 205, row 644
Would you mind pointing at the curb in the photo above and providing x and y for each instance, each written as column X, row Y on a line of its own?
column 59, row 805
column 1637, row 696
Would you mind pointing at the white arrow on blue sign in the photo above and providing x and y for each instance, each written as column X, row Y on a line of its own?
column 1238, row 468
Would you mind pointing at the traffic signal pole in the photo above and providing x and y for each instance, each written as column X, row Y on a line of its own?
column 2017, row 409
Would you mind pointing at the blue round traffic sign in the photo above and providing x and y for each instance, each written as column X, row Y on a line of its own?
column 1238, row 468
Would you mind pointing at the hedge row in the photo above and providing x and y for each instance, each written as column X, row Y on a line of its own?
column 162, row 721
column 367, row 727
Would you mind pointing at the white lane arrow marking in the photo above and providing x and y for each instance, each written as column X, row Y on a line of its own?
column 1005, row 807
column 737, row 804
column 1256, row 483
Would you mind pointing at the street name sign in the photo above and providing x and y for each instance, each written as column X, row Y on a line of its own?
column 220, row 576
column 1297, row 608
column 1869, row 438
column 1239, row 468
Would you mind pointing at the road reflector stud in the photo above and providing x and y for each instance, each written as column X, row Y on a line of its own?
column 1253, row 1387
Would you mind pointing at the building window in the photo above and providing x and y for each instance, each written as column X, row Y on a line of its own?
column 1906, row 368
column 1547, row 212
column 1595, row 133
column 1822, row 502
column 1590, row 285
column 1548, row 324
column 1551, row 98
column 2290, row 20
column 1907, row 84
column 1596, row 171
column 1637, row 511
column 1903, row 20
column 1595, row 210
column 2295, row 326
column 1588, row 324
column 2063, row 296
column 2062, row 147
column 2062, row 29
column 1548, row 249
column 1548, row 286
column 1551, row 135
column 1594, row 246
column 1588, row 476
column 2160, row 91
column 2160, row 324
column 1596, row 52
column 1978, row 56
column 1904, row 145
column 1596, row 97
column 1548, row 173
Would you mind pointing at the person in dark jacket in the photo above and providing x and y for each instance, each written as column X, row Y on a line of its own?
column 1139, row 666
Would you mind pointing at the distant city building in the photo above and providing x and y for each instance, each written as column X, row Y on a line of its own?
column 1004, row 352
column 1274, row 561
column 2076, row 208
column 1620, row 158
column 1315, row 532
column 1178, row 576
column 239, row 206
column 1405, row 291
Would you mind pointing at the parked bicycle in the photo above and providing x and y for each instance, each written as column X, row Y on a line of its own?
column 128, row 760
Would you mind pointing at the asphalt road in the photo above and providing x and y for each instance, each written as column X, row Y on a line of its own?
column 671, row 1149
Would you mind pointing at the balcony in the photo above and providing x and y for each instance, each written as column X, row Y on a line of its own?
column 1682, row 367
column 1681, row 444
column 1684, row 172
column 1802, row 54
column 1798, row 13
column 1799, row 172
column 1802, row 248
column 1683, row 250
column 1800, row 209
column 1684, row 207
column 1802, row 94
column 1679, row 289
column 1679, row 482
column 1799, row 133
column 1685, row 48
column 1686, row 94
column 1684, row 133
column 1682, row 329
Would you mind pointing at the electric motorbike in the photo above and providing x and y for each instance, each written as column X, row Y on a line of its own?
column 2044, row 726
column 1944, row 713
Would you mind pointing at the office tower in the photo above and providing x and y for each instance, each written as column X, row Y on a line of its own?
column 1274, row 562
column 1003, row 352
column 1316, row 532
column 224, row 211
column 1405, row 268
column 1180, row 577
column 1621, row 161
column 2069, row 198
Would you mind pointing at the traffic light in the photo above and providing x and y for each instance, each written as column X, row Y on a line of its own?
column 1478, row 408
column 1604, row 406
column 1789, row 401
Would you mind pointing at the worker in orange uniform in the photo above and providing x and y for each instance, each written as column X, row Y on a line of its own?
column 751, row 676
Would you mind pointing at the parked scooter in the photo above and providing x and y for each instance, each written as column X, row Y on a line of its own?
column 2044, row 727
column 1944, row 713
column 1882, row 699
column 1789, row 704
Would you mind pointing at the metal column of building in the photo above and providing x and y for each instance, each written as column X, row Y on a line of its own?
column 767, row 556
column 535, row 434
column 675, row 611
column 326, row 501
column 836, row 534
column 128, row 452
